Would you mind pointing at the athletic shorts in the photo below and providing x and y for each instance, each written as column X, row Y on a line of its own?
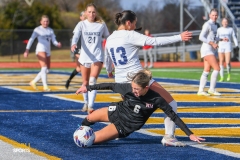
column 87, row 65
column 121, row 123
column 47, row 54
column 207, row 52
column 224, row 49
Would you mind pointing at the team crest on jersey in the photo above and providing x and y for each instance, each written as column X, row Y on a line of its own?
column 148, row 105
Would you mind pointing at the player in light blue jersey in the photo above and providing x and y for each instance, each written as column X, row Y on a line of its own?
column 45, row 35
column 122, row 48
column 91, row 31
column 208, row 49
column 225, row 48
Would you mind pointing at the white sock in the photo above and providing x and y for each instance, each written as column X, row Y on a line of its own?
column 85, row 98
column 92, row 94
column 213, row 80
column 203, row 81
column 221, row 71
column 169, row 124
column 37, row 78
column 228, row 68
column 44, row 76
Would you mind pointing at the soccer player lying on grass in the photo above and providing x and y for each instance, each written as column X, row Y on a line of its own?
column 130, row 114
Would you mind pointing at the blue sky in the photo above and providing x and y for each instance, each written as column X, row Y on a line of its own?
column 128, row 4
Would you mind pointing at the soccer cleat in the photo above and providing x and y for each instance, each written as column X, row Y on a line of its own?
column 85, row 108
column 67, row 84
column 215, row 93
column 221, row 79
column 46, row 89
column 33, row 85
column 169, row 140
column 228, row 78
column 202, row 93
column 151, row 66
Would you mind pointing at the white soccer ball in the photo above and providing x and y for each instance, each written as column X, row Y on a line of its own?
column 84, row 136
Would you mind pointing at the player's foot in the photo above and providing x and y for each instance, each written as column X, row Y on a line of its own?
column 90, row 110
column 145, row 66
column 151, row 66
column 228, row 78
column 85, row 108
column 33, row 85
column 202, row 93
column 67, row 84
column 169, row 140
column 221, row 79
column 46, row 89
column 215, row 93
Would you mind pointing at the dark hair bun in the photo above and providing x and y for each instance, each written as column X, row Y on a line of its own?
column 118, row 16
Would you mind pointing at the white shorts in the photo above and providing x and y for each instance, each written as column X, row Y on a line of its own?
column 205, row 52
column 224, row 49
column 87, row 65
column 47, row 54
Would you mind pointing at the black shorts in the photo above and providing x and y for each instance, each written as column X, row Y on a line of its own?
column 121, row 121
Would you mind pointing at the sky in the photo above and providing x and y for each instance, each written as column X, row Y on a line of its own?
column 128, row 4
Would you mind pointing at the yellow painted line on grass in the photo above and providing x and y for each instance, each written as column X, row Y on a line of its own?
column 160, row 120
column 228, row 109
column 32, row 150
column 213, row 132
column 99, row 98
column 225, row 146
column 196, row 98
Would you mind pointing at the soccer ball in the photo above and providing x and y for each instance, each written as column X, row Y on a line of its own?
column 84, row 136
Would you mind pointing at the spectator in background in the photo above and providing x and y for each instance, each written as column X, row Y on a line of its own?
column 76, row 55
column 225, row 48
column 147, row 52
column 43, row 50
column 91, row 31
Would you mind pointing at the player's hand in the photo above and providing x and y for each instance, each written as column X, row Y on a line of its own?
column 186, row 36
column 59, row 45
column 82, row 89
column 73, row 47
column 25, row 54
column 196, row 138
column 214, row 45
column 225, row 40
column 110, row 75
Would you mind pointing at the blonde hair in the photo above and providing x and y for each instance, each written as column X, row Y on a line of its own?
column 97, row 18
column 44, row 16
column 141, row 78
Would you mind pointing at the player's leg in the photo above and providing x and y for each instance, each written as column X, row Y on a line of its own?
column 74, row 72
column 145, row 58
column 228, row 61
column 107, row 133
column 168, row 123
column 95, row 70
column 212, row 61
column 43, row 60
column 203, row 79
column 221, row 65
column 150, row 58
column 85, row 80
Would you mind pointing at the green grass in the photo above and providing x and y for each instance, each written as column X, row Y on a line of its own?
column 181, row 73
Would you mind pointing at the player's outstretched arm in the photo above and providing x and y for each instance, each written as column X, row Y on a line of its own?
column 82, row 89
column 186, row 36
column 196, row 138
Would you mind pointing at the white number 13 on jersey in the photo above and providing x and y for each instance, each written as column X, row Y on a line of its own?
column 122, row 52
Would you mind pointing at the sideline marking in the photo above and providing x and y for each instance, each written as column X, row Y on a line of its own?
column 32, row 150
